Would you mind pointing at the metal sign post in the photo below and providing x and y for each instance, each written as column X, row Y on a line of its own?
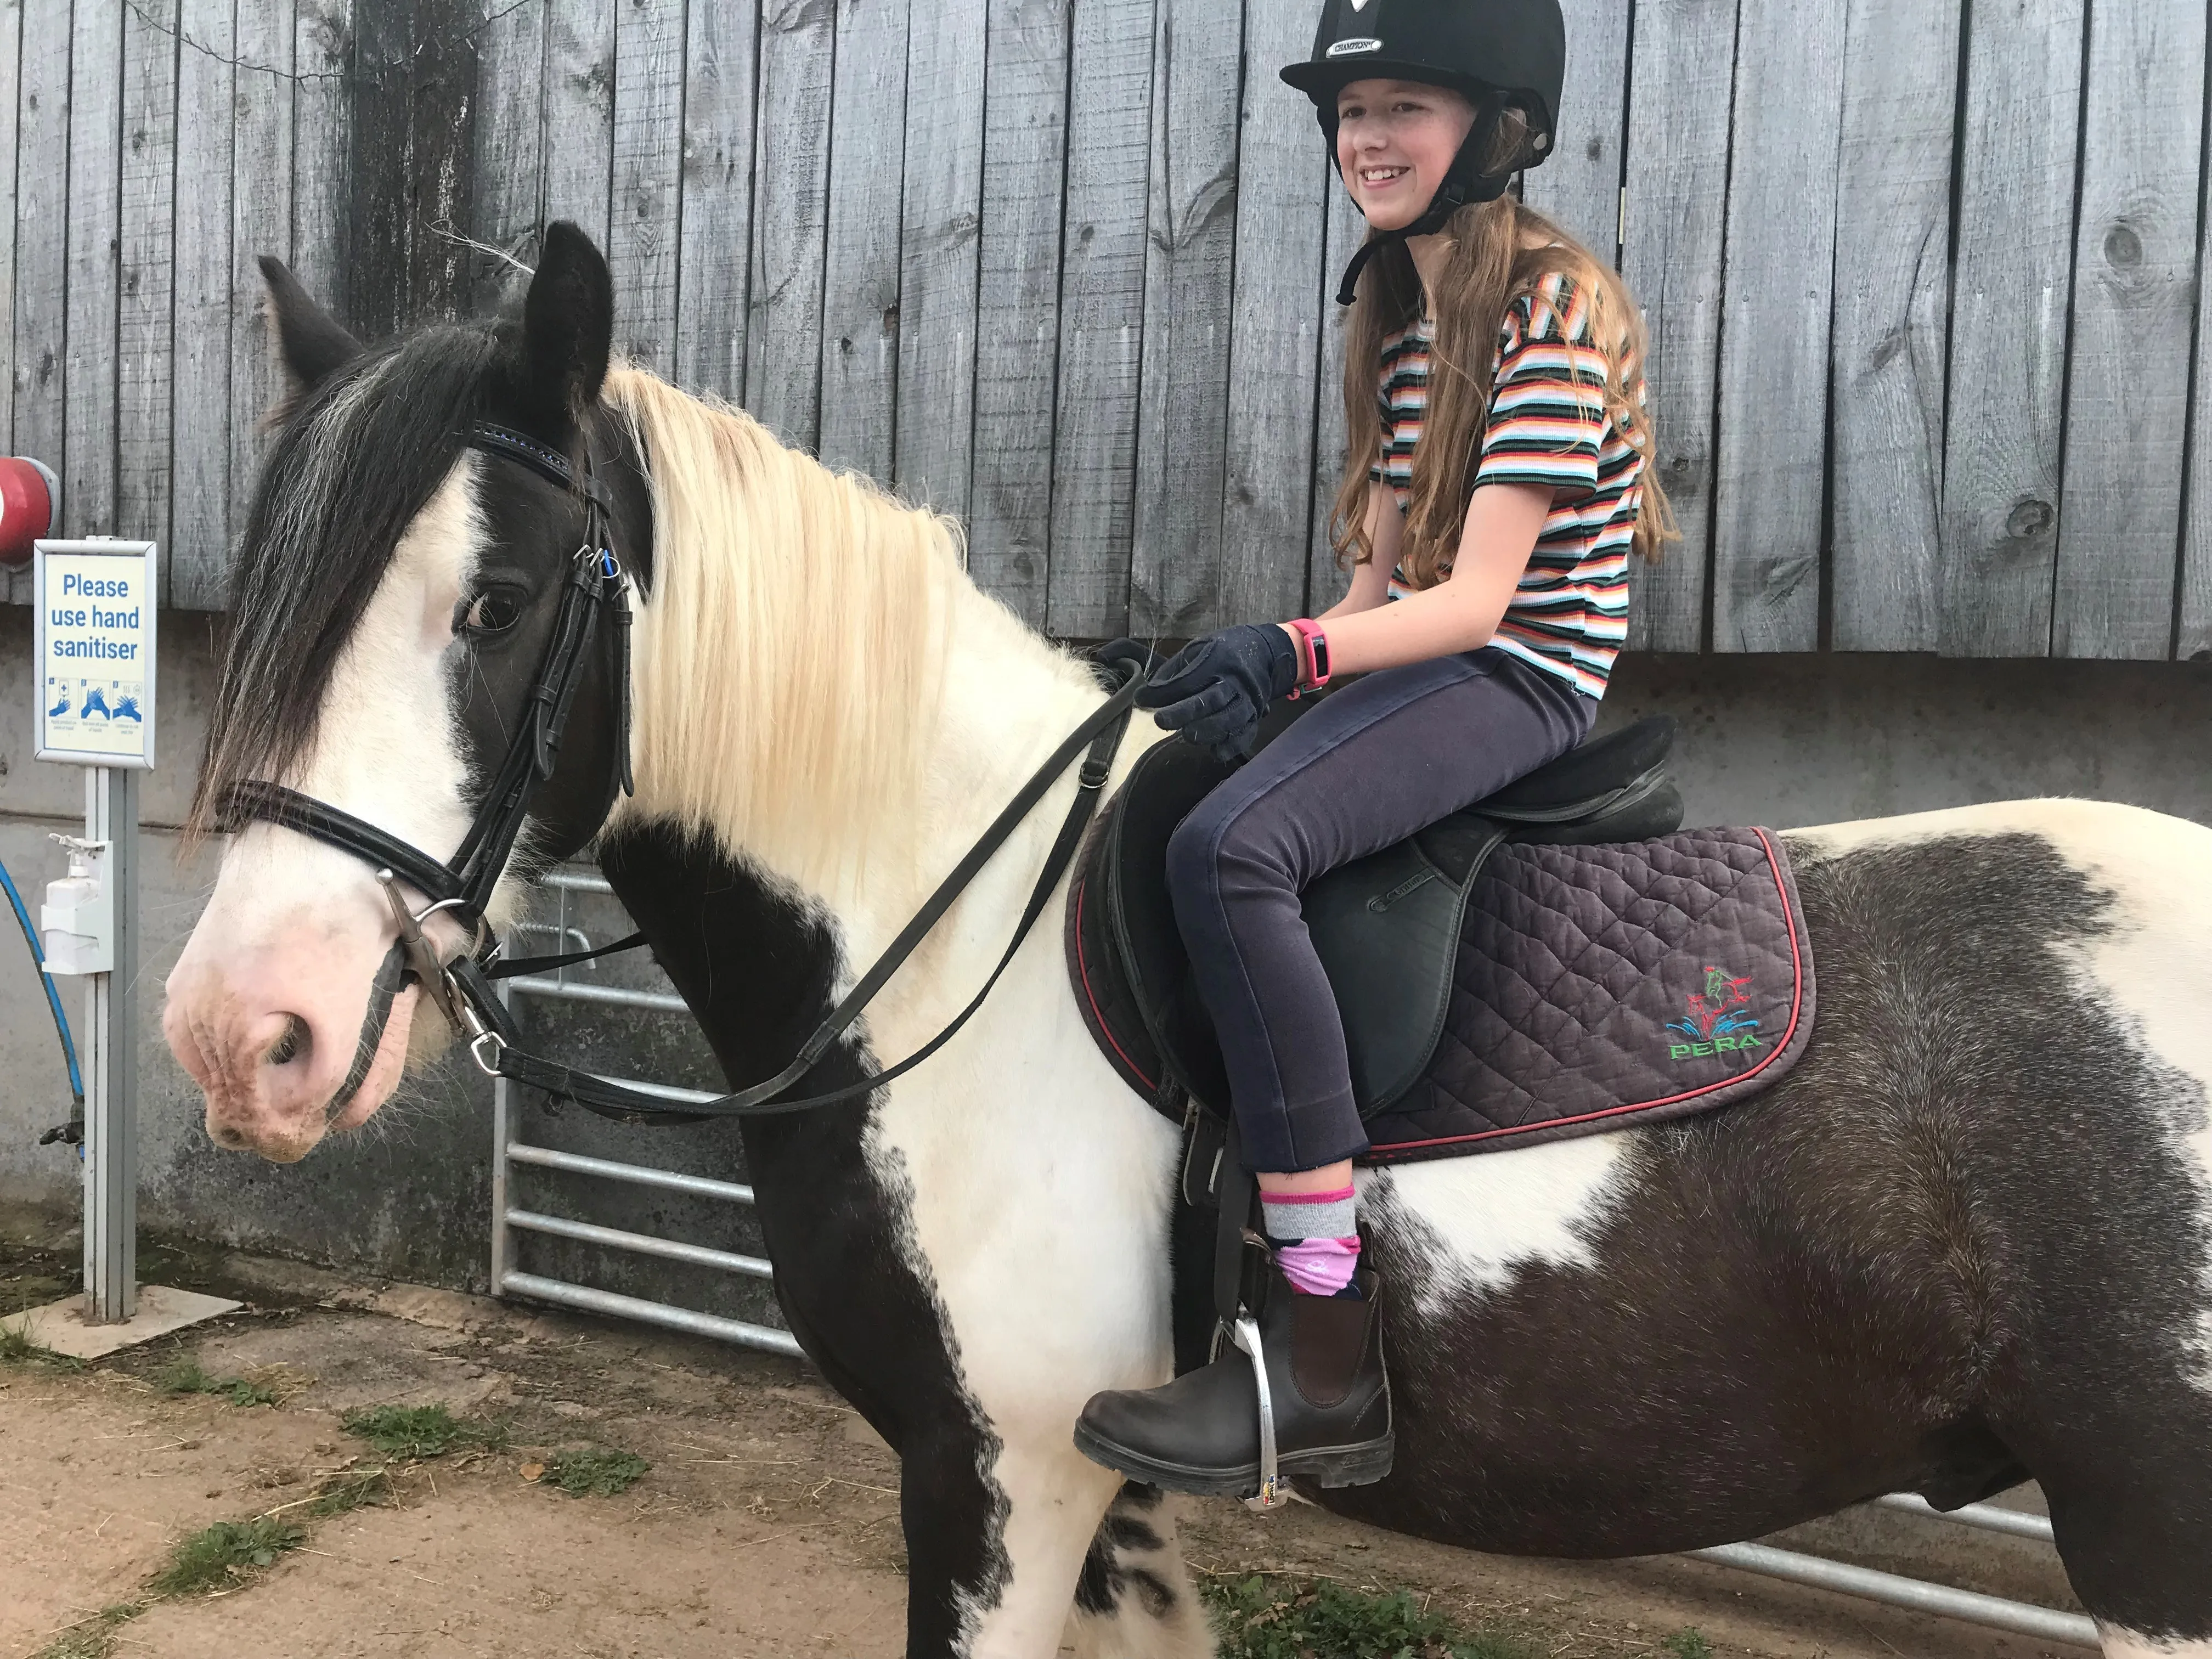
column 95, row 637
column 96, row 701
column 110, row 1082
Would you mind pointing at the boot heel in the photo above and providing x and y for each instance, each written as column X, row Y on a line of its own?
column 1351, row 1466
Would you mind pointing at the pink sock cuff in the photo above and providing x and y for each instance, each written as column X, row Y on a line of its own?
column 1338, row 1197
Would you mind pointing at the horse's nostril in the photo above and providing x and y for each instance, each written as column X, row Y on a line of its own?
column 289, row 1046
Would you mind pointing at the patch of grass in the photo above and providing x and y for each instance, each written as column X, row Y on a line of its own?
column 349, row 1489
column 421, row 1431
column 95, row 1638
column 1687, row 1644
column 183, row 1375
column 596, row 1472
column 1260, row 1618
column 225, row 1555
column 18, row 1347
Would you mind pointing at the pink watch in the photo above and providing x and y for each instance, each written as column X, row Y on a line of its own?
column 1313, row 655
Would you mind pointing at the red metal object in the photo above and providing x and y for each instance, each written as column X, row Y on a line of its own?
column 28, row 492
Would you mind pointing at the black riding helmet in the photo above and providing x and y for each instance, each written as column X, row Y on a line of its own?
column 1501, row 54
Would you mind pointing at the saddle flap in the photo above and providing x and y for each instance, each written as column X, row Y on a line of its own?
column 1387, row 930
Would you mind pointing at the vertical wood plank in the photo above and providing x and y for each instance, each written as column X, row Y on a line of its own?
column 322, row 51
column 1677, row 149
column 145, row 261
column 1017, row 307
column 11, row 48
column 94, row 230
column 261, row 222
column 648, row 160
column 509, row 164
column 717, row 198
column 580, row 113
column 791, row 172
column 1779, row 295
column 1892, row 323
column 1102, row 317
column 1280, row 232
column 1579, row 186
column 860, row 281
column 1326, row 580
column 41, row 323
column 1175, row 569
column 934, row 440
column 199, row 528
column 2135, row 282
column 2019, row 143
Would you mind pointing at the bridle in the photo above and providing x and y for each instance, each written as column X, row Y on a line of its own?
column 596, row 592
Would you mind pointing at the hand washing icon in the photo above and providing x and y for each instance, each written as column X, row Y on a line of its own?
column 95, row 702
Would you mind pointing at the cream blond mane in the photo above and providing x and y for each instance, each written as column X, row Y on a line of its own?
column 789, row 657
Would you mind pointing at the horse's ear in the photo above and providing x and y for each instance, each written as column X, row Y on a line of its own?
column 568, row 322
column 310, row 344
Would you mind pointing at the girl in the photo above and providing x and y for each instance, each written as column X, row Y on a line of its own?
column 1494, row 489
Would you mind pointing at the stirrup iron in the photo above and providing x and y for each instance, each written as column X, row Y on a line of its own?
column 1272, row 1493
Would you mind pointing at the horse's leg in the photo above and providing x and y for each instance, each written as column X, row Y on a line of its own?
column 2136, row 1540
column 2131, row 1492
column 1081, row 1555
column 1134, row 1600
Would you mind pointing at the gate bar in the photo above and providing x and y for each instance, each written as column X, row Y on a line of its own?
column 1915, row 1595
column 615, row 1238
column 1987, row 1516
column 640, row 1174
column 763, row 1337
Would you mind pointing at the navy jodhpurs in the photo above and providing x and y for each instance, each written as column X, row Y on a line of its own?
column 1377, row 760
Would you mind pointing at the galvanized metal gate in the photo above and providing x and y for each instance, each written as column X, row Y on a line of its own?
column 2047, row 1624
column 563, row 986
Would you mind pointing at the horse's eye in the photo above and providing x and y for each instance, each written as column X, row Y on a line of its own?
column 492, row 612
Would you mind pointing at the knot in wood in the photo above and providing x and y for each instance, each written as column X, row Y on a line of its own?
column 2030, row 518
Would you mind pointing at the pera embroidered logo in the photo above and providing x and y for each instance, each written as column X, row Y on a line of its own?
column 1714, row 1026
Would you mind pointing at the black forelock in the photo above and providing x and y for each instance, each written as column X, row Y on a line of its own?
column 350, row 471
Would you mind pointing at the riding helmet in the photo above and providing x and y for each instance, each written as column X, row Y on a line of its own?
column 1501, row 54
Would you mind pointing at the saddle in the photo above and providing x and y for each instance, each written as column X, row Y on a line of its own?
column 1557, row 959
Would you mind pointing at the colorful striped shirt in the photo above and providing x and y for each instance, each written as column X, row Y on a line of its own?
column 1548, row 425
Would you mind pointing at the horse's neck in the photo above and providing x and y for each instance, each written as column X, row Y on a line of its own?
column 1005, row 699
column 1008, row 700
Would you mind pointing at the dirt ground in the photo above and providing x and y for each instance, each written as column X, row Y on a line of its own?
column 766, row 1526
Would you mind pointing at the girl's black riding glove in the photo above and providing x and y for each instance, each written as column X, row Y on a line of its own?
column 1216, row 690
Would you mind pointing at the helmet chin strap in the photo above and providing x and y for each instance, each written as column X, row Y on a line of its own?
column 1460, row 185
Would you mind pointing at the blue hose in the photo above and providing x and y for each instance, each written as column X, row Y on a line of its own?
column 53, row 997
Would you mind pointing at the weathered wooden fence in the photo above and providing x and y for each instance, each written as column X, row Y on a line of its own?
column 1063, row 267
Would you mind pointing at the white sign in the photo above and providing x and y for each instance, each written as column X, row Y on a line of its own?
column 96, row 651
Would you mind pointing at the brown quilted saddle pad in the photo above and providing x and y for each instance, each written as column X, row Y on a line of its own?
column 1500, row 984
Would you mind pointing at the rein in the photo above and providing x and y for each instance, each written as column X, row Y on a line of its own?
column 463, row 989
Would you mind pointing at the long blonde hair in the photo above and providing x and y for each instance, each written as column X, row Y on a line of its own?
column 1500, row 251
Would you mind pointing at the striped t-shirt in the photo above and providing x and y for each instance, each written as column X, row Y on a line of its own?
column 1548, row 425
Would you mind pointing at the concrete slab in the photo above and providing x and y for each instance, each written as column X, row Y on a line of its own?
column 60, row 1325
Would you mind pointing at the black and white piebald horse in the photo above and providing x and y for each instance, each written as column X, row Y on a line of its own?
column 1968, row 1240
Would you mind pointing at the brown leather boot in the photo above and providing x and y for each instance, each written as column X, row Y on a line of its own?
column 1200, row 1433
